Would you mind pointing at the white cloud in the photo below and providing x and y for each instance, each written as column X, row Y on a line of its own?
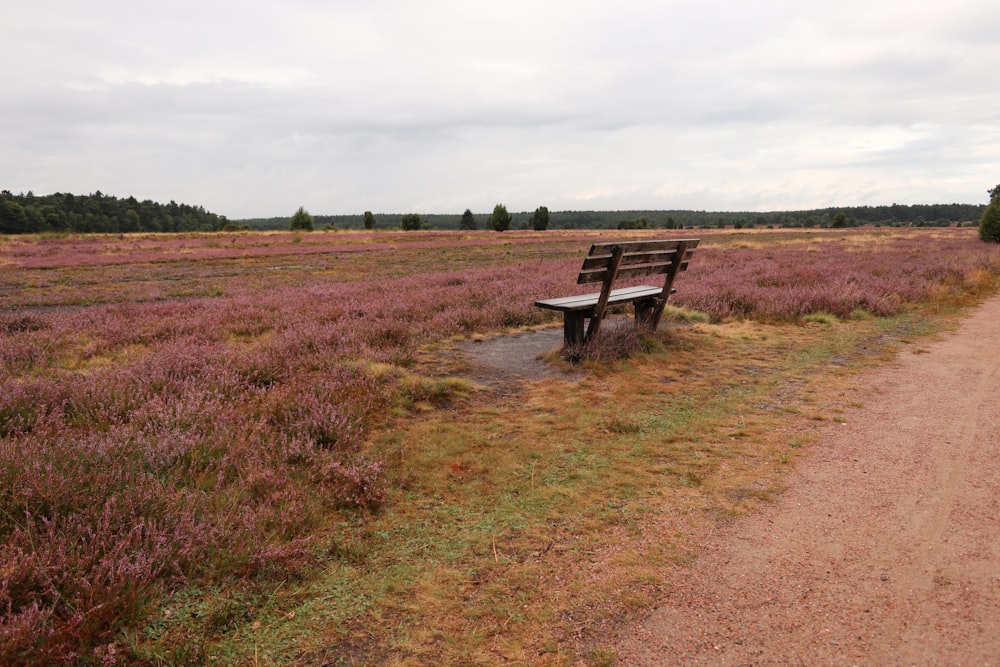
column 255, row 108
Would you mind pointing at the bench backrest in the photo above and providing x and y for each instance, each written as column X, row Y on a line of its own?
column 638, row 258
column 608, row 262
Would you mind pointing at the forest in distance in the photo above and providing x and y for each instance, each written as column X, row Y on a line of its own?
column 895, row 215
column 28, row 213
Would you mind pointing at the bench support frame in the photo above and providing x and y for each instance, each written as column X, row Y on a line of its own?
column 607, row 263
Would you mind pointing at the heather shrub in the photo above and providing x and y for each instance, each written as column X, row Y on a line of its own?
column 16, row 323
column 113, row 485
column 23, row 353
column 86, row 542
column 330, row 411
column 356, row 484
column 834, row 277
column 19, row 408
column 260, row 367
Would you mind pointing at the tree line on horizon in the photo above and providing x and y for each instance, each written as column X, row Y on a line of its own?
column 100, row 213
column 895, row 215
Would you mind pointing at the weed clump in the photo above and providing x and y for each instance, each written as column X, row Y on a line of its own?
column 615, row 343
column 820, row 318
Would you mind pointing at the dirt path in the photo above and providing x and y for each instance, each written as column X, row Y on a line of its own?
column 884, row 550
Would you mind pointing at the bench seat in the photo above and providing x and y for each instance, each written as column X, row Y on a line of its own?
column 586, row 302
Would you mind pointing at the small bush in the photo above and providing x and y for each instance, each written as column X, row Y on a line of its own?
column 500, row 219
column 411, row 222
column 12, row 324
column 301, row 221
column 358, row 484
column 989, row 224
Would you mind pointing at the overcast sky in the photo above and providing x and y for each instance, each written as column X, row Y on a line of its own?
column 254, row 108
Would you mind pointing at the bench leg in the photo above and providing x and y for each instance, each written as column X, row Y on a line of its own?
column 593, row 327
column 657, row 314
column 573, row 329
column 647, row 313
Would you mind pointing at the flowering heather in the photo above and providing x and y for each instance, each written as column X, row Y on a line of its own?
column 150, row 437
column 876, row 272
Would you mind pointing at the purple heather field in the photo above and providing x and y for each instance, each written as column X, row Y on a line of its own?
column 188, row 408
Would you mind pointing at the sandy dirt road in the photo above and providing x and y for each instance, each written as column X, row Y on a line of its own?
column 884, row 549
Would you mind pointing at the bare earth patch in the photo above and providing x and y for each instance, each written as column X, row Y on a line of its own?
column 504, row 361
column 883, row 550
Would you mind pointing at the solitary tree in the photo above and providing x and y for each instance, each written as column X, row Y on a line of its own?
column 500, row 218
column 411, row 221
column 369, row 220
column 540, row 219
column 468, row 220
column 301, row 221
column 989, row 224
column 839, row 220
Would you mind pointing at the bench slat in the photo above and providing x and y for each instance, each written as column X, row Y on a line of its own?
column 598, row 275
column 601, row 262
column 588, row 301
column 645, row 257
column 640, row 246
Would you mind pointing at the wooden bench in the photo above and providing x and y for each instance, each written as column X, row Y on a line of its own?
column 610, row 262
